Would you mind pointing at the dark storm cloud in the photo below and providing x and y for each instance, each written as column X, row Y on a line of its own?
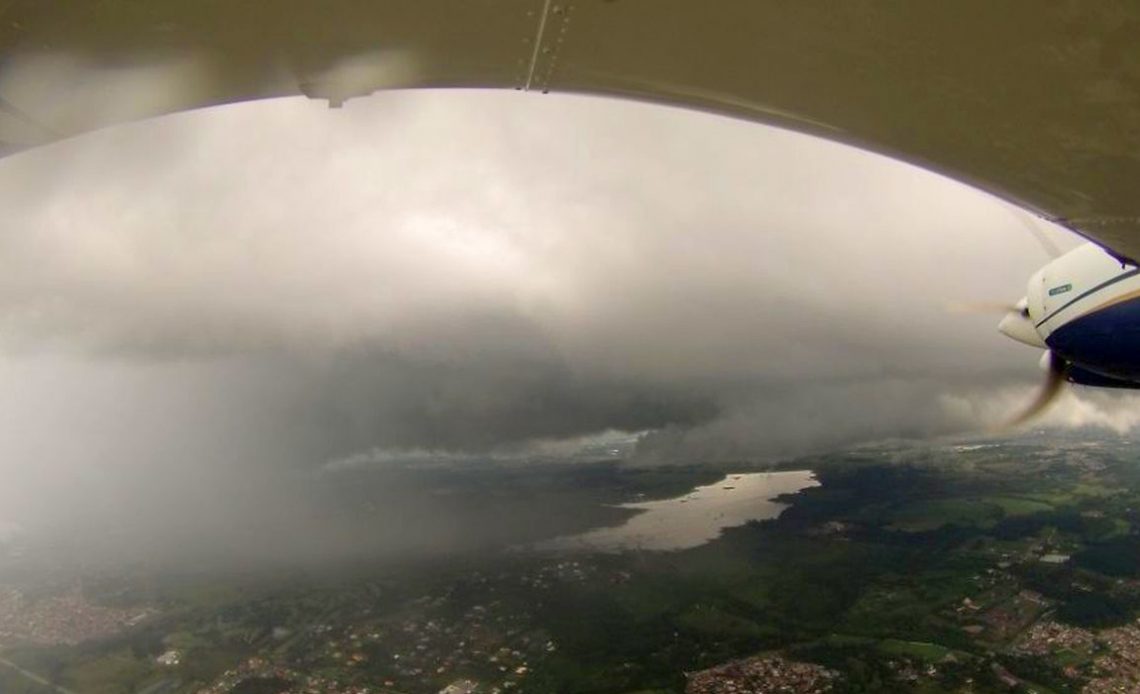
column 364, row 399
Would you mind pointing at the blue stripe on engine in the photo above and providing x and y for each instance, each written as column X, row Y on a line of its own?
column 1107, row 283
column 1105, row 342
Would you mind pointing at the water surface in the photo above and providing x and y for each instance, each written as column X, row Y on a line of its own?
column 695, row 518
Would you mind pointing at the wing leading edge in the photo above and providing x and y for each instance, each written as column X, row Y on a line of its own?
column 1037, row 103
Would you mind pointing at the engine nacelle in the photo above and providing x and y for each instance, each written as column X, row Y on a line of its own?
column 1085, row 307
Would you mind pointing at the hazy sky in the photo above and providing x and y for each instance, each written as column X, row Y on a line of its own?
column 191, row 301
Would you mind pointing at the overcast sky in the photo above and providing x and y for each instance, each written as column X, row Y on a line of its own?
column 191, row 301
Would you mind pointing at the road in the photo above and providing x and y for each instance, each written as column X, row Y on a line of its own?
column 35, row 678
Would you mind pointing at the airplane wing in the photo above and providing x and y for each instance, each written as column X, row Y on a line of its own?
column 1036, row 102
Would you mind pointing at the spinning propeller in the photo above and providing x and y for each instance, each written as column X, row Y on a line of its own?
column 1017, row 324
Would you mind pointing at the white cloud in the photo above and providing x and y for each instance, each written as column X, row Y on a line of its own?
column 280, row 283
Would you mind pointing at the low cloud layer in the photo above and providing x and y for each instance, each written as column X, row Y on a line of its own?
column 192, row 301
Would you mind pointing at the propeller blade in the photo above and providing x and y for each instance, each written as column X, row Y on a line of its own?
column 1051, row 249
column 1054, row 382
column 984, row 307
